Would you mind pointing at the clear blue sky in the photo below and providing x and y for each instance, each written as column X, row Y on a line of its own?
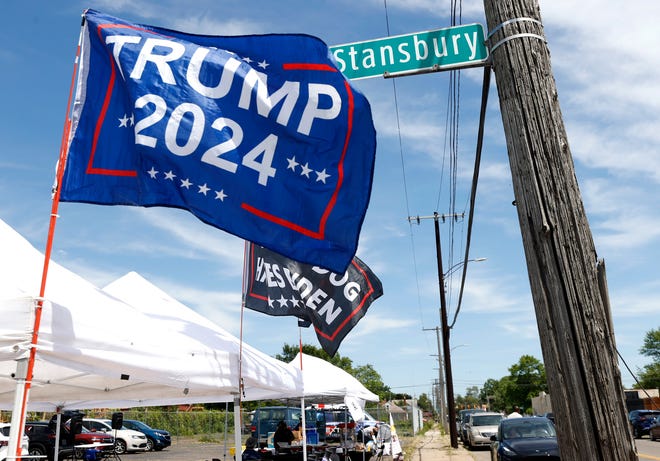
column 609, row 90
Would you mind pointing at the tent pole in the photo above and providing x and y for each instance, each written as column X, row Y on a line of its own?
column 224, row 453
column 14, row 443
column 303, row 425
column 58, row 428
column 238, row 451
column 64, row 143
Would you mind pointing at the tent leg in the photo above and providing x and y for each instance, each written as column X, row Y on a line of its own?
column 237, row 429
column 224, row 453
column 57, row 434
column 303, row 428
column 16, row 414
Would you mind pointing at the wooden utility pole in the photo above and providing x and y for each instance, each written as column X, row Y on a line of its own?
column 440, row 388
column 577, row 339
column 449, row 380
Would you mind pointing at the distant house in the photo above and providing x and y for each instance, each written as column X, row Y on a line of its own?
column 636, row 399
column 642, row 399
column 396, row 410
column 542, row 404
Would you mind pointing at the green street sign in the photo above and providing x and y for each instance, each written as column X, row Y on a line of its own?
column 434, row 50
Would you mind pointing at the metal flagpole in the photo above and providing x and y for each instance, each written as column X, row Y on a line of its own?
column 238, row 451
column 303, row 423
column 25, row 371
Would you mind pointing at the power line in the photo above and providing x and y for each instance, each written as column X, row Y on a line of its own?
column 403, row 174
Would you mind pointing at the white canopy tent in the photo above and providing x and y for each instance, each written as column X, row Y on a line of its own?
column 326, row 382
column 264, row 376
column 95, row 348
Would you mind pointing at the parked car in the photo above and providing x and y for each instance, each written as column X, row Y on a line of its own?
column 265, row 421
column 157, row 439
column 337, row 420
column 654, row 431
column 126, row 440
column 462, row 419
column 524, row 438
column 641, row 421
column 481, row 427
column 4, row 441
column 42, row 440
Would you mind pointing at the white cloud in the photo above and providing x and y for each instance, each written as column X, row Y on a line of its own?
column 378, row 323
column 221, row 307
column 625, row 219
column 434, row 7
column 201, row 239
column 485, row 293
column 202, row 24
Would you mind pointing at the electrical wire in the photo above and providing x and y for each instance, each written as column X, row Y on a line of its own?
column 475, row 179
column 403, row 174
column 454, row 135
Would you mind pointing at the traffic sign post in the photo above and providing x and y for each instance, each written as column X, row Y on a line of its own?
column 420, row 52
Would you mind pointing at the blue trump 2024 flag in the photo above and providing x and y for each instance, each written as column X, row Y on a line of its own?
column 259, row 135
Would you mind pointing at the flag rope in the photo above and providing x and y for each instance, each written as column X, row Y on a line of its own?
column 49, row 243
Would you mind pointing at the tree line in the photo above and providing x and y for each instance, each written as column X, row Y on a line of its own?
column 526, row 379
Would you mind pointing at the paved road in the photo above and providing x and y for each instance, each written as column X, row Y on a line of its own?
column 190, row 449
column 183, row 449
column 481, row 454
column 647, row 449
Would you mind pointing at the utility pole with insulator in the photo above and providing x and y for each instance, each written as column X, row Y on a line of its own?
column 449, row 380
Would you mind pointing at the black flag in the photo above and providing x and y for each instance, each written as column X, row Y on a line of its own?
column 334, row 304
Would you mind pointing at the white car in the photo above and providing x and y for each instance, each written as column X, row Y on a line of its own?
column 125, row 439
column 4, row 441
column 481, row 427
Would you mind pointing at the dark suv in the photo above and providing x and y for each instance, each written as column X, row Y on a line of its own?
column 265, row 420
column 42, row 440
column 641, row 421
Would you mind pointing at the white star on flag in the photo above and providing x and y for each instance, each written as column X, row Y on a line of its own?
column 322, row 176
column 220, row 195
column 263, row 64
column 203, row 189
column 123, row 122
column 292, row 163
column 186, row 183
column 170, row 175
column 306, row 170
column 153, row 172
column 283, row 301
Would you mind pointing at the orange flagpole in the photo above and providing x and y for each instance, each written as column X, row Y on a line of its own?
column 49, row 246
